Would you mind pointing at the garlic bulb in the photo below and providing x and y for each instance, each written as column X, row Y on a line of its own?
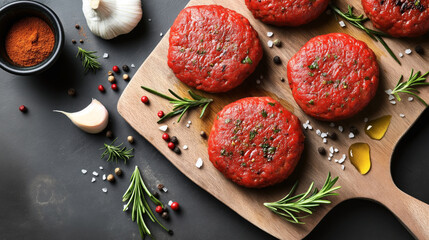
column 92, row 119
column 110, row 18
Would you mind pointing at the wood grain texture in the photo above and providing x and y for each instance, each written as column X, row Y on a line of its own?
column 376, row 185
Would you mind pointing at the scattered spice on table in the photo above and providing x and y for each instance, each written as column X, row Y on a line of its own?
column 23, row 108
column 73, row 41
column 81, row 40
column 126, row 77
column 144, row 99
column 111, row 178
column 101, row 88
column 29, row 41
column 277, row 60
column 130, row 139
column 125, row 68
column 111, row 79
column 115, row 69
column 118, row 172
column 71, row 92
column 109, row 134
column 114, row 87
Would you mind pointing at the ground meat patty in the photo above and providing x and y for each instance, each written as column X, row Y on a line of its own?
column 255, row 142
column 333, row 76
column 286, row 12
column 399, row 18
column 213, row 48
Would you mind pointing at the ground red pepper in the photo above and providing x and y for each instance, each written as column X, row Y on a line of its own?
column 29, row 41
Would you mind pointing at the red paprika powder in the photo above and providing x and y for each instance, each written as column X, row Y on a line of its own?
column 29, row 41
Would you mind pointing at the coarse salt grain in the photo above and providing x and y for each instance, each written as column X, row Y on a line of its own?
column 329, row 158
column 104, row 190
column 310, row 127
column 199, row 163
column 133, row 66
column 187, row 125
column 340, row 128
column 170, row 202
column 342, row 24
column 369, row 127
column 305, row 125
column 323, row 135
column 164, row 189
column 189, row 122
column 270, row 43
column 325, row 140
column 95, row 173
column 149, row 19
column 341, row 161
column 393, row 102
column 331, row 149
column 336, row 160
column 388, row 91
column 318, row 132
column 270, row 34
column 105, row 55
column 336, row 150
column 93, row 179
column 401, row 55
column 401, row 115
column 331, row 154
column 163, row 128
column 343, row 167
column 185, row 147
column 84, row 171
column 410, row 99
column 100, row 167
column 391, row 97
column 104, row 177
column 351, row 135
column 160, row 34
column 408, row 51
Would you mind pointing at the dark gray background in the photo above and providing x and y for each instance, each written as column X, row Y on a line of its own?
column 43, row 194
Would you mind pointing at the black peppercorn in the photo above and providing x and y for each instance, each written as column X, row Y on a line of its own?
column 118, row 172
column 170, row 232
column 109, row 134
column 203, row 134
column 333, row 136
column 77, row 26
column 419, row 49
column 277, row 60
column 164, row 215
column 321, row 151
column 71, row 92
column 125, row 68
column 73, row 41
column 354, row 130
column 81, row 40
column 177, row 150
column 282, row 79
column 174, row 140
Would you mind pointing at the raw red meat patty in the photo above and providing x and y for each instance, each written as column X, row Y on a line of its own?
column 286, row 12
column 333, row 76
column 399, row 18
column 213, row 48
column 255, row 142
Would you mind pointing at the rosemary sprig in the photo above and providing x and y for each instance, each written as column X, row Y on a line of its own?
column 358, row 22
column 182, row 105
column 116, row 152
column 89, row 60
column 135, row 197
column 289, row 207
column 415, row 80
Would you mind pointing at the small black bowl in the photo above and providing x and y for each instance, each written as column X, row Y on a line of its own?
column 14, row 11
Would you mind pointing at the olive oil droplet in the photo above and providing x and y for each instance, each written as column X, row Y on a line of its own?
column 376, row 128
column 360, row 157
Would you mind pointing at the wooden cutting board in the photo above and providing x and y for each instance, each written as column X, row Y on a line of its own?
column 376, row 185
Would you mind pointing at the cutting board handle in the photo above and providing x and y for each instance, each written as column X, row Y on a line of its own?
column 413, row 213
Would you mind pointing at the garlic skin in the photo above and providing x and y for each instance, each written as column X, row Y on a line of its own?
column 92, row 119
column 111, row 18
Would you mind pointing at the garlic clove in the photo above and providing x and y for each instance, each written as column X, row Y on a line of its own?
column 110, row 18
column 92, row 119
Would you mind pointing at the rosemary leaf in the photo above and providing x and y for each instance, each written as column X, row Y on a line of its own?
column 294, row 208
column 358, row 22
column 181, row 105
column 409, row 86
column 135, row 196
column 116, row 152
column 89, row 60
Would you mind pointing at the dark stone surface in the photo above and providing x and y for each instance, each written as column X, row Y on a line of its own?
column 43, row 194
